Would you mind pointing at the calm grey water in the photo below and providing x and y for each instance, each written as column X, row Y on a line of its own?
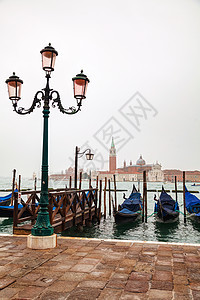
column 108, row 229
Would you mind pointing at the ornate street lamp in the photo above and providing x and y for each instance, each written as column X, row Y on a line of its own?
column 78, row 154
column 47, row 95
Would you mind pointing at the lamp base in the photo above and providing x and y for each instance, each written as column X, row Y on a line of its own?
column 42, row 242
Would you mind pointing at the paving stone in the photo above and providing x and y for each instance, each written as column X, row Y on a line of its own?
column 61, row 268
column 163, row 268
column 116, row 284
column 49, row 295
column 83, row 294
column 124, row 270
column 133, row 296
column 180, row 279
column 8, row 292
column 94, row 255
column 194, row 277
column 162, row 285
column 60, row 286
column 160, row 294
column 73, row 276
column 101, row 266
column 164, row 253
column 195, row 286
column 80, row 254
column 140, row 276
column 149, row 253
column 178, row 296
column 120, row 276
column 162, row 275
column 144, row 267
column 102, row 275
column 137, row 286
column 181, row 288
column 182, row 271
column 180, row 255
column 196, row 295
column 44, row 281
column 82, row 268
column 178, row 260
column 29, row 292
column 127, row 262
column 110, row 294
column 89, row 261
column 96, row 284
column 4, row 282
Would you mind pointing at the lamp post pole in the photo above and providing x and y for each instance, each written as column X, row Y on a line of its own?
column 89, row 156
column 76, row 167
column 43, row 226
column 80, row 82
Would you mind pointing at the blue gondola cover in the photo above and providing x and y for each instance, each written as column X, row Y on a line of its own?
column 192, row 203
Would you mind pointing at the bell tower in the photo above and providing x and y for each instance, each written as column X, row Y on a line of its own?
column 112, row 157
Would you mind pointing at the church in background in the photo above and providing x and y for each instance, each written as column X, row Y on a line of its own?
column 130, row 172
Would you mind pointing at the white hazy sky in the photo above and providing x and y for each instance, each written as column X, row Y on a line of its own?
column 146, row 46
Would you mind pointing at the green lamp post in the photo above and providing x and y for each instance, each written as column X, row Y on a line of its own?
column 47, row 95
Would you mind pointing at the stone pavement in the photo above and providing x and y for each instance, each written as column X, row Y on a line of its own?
column 99, row 269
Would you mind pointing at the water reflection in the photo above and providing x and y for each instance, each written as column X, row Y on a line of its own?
column 124, row 228
column 166, row 231
column 195, row 223
column 6, row 225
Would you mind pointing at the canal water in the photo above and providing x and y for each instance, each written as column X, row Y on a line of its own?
column 108, row 229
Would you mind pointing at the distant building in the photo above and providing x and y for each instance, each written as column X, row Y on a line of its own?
column 190, row 176
column 112, row 157
column 129, row 172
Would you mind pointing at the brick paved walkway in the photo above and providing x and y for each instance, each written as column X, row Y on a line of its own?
column 98, row 269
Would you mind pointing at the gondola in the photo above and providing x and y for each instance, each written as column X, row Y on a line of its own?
column 192, row 204
column 131, row 209
column 6, row 200
column 166, row 209
column 7, row 211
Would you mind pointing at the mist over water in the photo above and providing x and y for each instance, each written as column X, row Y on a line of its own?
column 108, row 229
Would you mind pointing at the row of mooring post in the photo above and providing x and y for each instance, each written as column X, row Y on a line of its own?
column 111, row 203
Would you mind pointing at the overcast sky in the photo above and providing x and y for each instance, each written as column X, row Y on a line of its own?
column 143, row 61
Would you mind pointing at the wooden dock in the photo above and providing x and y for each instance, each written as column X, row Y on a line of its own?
column 67, row 207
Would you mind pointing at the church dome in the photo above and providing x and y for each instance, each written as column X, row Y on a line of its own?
column 140, row 161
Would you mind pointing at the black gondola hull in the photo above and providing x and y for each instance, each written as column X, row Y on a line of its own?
column 168, row 217
column 5, row 202
column 6, row 212
column 121, row 217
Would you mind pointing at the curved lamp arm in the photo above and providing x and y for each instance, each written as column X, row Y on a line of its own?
column 70, row 111
column 82, row 153
column 36, row 102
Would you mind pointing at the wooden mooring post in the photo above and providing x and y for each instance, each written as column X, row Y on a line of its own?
column 144, row 208
column 115, row 191
column 13, row 186
column 100, row 192
column 109, row 197
column 105, row 186
column 176, row 194
column 184, row 197
column 70, row 182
